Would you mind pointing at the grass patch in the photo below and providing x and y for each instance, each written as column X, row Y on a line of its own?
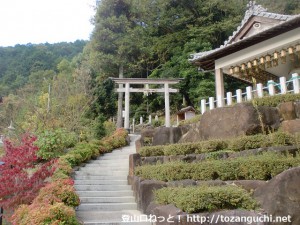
column 256, row 167
column 206, row 198
column 233, row 144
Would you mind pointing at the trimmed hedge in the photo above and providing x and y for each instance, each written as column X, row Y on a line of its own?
column 274, row 101
column 83, row 152
column 206, row 198
column 256, row 167
column 234, row 144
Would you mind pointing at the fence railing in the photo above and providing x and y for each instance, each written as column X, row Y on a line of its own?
column 283, row 87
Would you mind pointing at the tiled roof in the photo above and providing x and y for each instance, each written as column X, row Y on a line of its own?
column 253, row 10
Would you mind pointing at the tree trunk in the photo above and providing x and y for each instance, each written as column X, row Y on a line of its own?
column 120, row 100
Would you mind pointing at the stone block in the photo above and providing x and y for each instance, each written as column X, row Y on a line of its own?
column 281, row 195
column 291, row 126
column 134, row 160
column 146, row 194
column 287, row 110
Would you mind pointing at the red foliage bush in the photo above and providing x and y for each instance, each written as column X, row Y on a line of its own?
column 22, row 175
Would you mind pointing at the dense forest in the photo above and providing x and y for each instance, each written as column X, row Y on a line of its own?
column 66, row 85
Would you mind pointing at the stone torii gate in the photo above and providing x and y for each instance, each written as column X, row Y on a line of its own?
column 146, row 82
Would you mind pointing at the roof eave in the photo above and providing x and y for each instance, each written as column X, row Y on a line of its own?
column 207, row 62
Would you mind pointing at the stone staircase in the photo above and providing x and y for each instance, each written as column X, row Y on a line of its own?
column 104, row 193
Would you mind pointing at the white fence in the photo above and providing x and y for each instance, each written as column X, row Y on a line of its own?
column 283, row 86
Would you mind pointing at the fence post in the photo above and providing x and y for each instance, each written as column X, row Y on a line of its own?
column 283, row 88
column 150, row 119
column 133, row 125
column 239, row 96
column 211, row 103
column 296, row 84
column 229, row 98
column 220, row 101
column 260, row 92
column 271, row 87
column 203, row 106
column 249, row 93
column 141, row 120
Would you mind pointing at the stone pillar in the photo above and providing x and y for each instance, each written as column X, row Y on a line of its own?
column 167, row 106
column 127, row 99
column 141, row 120
column 296, row 84
column 283, row 87
column 271, row 88
column 219, row 81
column 249, row 93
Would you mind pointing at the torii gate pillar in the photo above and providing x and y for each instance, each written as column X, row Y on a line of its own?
column 167, row 106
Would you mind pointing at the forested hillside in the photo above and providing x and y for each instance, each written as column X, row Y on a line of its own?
column 20, row 63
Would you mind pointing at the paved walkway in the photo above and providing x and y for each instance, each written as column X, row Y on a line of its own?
column 104, row 193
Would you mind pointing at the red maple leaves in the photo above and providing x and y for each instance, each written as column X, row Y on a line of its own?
column 23, row 174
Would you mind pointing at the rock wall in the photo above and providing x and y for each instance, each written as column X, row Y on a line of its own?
column 244, row 119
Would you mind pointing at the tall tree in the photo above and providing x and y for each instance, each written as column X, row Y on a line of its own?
column 116, row 42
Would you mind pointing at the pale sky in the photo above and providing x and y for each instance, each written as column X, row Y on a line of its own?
column 41, row 21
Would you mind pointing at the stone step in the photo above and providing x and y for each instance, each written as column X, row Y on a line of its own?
column 110, row 193
column 92, row 177
column 103, row 182
column 92, row 187
column 114, row 157
column 109, row 217
column 107, row 165
column 119, row 199
column 103, row 169
column 107, row 206
column 102, row 173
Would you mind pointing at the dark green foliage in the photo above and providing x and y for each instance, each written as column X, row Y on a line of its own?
column 233, row 144
column 256, row 167
column 205, row 198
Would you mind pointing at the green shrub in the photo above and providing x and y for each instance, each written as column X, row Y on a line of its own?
column 193, row 120
column 233, row 144
column 274, row 101
column 62, row 170
column 45, row 213
column 53, row 205
column 53, row 143
column 152, row 150
column 256, row 167
column 206, row 198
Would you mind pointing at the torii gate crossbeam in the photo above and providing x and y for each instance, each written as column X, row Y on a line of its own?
column 166, row 89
